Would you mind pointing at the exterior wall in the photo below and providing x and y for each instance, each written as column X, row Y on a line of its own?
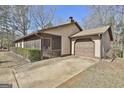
column 106, row 43
column 97, row 48
column 20, row 44
column 16, row 45
column 65, row 32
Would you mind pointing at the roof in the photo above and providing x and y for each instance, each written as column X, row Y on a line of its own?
column 94, row 31
column 54, row 27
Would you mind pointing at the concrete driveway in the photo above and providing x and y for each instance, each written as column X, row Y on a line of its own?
column 51, row 72
column 10, row 59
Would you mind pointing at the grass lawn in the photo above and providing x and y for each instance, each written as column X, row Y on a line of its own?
column 103, row 74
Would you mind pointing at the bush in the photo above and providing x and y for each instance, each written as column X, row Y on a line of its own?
column 22, row 51
column 119, row 53
column 34, row 55
column 31, row 54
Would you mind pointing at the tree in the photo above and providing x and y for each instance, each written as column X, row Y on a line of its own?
column 42, row 18
column 5, row 23
column 49, row 25
column 20, row 19
column 122, row 28
column 99, row 16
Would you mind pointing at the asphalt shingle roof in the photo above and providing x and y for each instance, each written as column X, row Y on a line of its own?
column 93, row 31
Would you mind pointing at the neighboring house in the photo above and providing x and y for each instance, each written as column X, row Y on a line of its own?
column 69, row 39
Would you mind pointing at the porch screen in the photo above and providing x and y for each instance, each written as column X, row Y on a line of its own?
column 46, row 43
column 56, row 42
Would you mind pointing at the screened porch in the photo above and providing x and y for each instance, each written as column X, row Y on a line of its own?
column 51, row 46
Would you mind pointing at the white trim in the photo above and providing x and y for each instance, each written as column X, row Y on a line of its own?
column 73, row 46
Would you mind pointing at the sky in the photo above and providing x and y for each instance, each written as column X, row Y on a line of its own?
column 63, row 12
column 78, row 12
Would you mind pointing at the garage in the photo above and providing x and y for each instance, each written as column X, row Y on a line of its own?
column 84, row 47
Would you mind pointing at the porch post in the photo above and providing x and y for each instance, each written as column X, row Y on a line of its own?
column 22, row 44
column 18, row 44
column 15, row 44
column 73, row 46
column 41, row 42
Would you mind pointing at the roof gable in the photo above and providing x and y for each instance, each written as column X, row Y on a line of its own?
column 46, row 29
column 94, row 31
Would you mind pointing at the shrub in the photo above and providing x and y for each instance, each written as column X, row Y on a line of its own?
column 31, row 54
column 119, row 53
column 34, row 55
column 22, row 51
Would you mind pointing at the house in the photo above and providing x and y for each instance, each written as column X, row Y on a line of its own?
column 67, row 39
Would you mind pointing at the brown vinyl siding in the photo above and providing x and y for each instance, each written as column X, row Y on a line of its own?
column 56, row 42
column 106, row 44
column 65, row 33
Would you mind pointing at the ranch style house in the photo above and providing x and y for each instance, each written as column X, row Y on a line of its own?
column 69, row 39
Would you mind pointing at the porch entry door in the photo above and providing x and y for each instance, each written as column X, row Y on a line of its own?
column 46, row 47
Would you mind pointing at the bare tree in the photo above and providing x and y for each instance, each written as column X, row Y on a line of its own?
column 4, row 24
column 120, row 10
column 17, row 20
column 99, row 16
column 42, row 18
column 20, row 19
column 59, row 20
column 13, row 20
